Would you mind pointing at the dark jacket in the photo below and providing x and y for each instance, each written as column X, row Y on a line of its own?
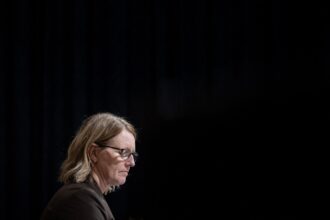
column 78, row 201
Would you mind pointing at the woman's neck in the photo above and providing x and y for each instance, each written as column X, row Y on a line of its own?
column 101, row 184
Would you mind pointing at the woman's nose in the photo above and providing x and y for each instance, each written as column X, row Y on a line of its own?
column 131, row 161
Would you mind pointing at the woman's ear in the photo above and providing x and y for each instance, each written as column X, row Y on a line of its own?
column 92, row 153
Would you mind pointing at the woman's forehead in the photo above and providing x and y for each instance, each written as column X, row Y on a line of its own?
column 124, row 138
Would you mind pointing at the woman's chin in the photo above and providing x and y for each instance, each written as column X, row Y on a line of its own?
column 121, row 181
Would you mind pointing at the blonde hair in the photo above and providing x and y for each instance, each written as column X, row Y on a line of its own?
column 98, row 128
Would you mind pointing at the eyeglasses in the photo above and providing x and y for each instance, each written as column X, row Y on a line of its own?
column 123, row 152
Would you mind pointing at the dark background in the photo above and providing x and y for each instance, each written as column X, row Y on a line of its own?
column 229, row 99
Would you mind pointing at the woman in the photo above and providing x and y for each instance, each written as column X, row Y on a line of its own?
column 99, row 159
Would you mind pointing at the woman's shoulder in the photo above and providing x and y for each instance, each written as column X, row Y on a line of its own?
column 78, row 190
column 79, row 199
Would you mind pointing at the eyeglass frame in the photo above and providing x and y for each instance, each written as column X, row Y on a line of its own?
column 121, row 151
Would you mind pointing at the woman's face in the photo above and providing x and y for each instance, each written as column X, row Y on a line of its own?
column 111, row 169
